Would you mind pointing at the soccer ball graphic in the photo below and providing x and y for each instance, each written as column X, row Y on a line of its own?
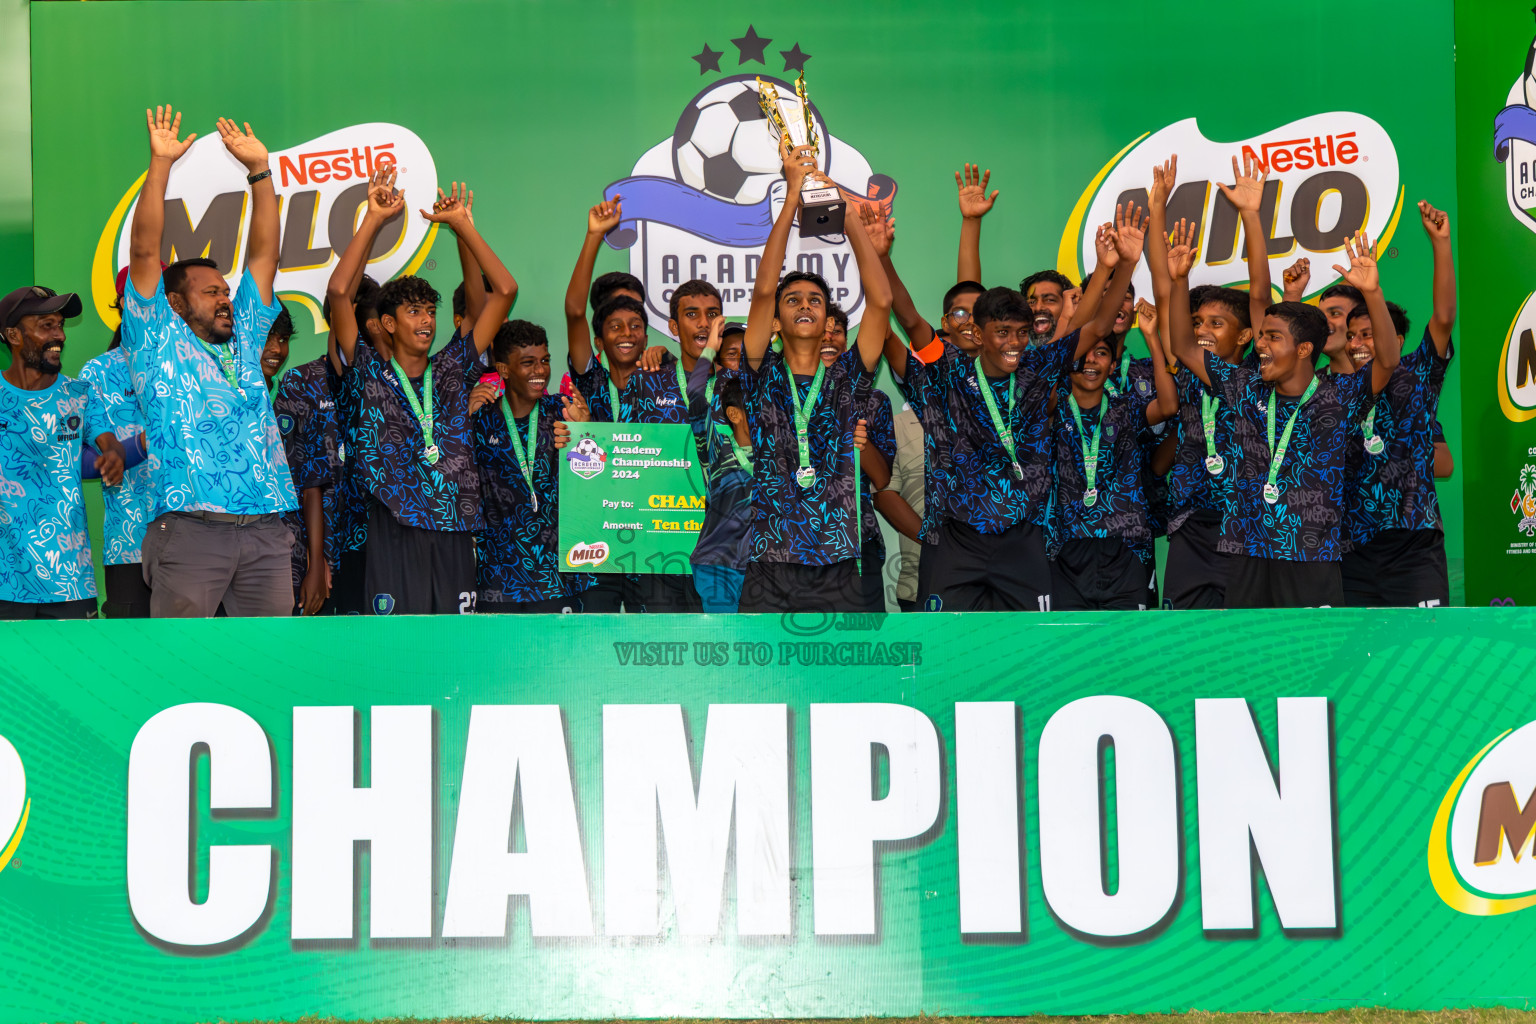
column 588, row 448
column 723, row 146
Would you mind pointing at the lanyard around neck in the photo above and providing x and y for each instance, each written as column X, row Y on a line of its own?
column 1090, row 447
column 1277, row 452
column 1004, row 429
column 422, row 412
column 805, row 476
column 519, row 450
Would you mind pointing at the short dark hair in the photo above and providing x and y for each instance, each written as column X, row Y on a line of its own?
column 175, row 275
column 283, row 325
column 957, row 290
column 405, row 291
column 1340, row 290
column 1398, row 313
column 731, row 393
column 611, row 282
column 1130, row 288
column 365, row 304
column 1055, row 277
column 611, row 305
column 690, row 288
column 1199, row 294
column 1309, row 326
column 838, row 313
column 460, row 304
column 1001, row 304
column 516, row 334
column 800, row 275
column 1235, row 301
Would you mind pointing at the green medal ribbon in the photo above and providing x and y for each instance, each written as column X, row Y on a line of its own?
column 519, row 450
column 1004, row 431
column 682, row 385
column 613, row 400
column 709, row 391
column 742, row 452
column 1214, row 463
column 1090, row 451
column 1272, row 488
column 423, row 416
column 1373, row 442
column 1111, row 388
column 226, row 357
column 805, row 476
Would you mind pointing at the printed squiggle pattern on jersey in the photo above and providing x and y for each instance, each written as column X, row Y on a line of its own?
column 305, row 404
column 1120, row 509
column 127, row 507
column 880, row 426
column 210, row 447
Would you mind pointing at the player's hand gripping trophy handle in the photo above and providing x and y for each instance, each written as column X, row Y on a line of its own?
column 822, row 207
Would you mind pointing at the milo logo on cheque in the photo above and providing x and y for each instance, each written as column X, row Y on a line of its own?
column 322, row 189
column 1330, row 175
column 587, row 556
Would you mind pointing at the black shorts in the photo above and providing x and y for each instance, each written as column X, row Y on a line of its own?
column 85, row 608
column 791, row 587
column 1398, row 569
column 642, row 592
column 1098, row 574
column 127, row 593
column 872, row 579
column 987, row 572
column 1279, row 583
column 409, row 571
column 347, row 584
column 1196, row 573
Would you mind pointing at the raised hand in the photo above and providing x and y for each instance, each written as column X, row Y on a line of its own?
column 164, row 126
column 1248, row 192
column 880, row 228
column 1146, row 317
column 384, row 200
column 798, row 162
column 1130, row 231
column 1294, row 281
column 1069, row 303
column 1104, row 246
column 449, row 207
column 243, row 145
column 1362, row 272
column 1183, row 243
column 650, row 359
column 573, row 408
column 1436, row 224
column 1163, row 177
column 605, row 216
column 974, row 201
column 483, row 394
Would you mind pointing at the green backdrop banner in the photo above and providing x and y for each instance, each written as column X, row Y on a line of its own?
column 1496, row 180
column 1069, row 107
column 750, row 816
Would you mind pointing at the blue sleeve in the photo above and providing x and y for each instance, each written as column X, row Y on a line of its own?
column 1355, row 394
column 98, row 415
column 1227, row 381
column 253, row 319
column 1055, row 359
column 303, row 432
column 593, row 385
column 882, row 426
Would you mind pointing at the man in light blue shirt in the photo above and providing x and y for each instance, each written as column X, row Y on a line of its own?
column 220, row 478
column 45, row 552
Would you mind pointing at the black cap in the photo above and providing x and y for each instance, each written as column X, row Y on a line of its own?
column 733, row 327
column 35, row 300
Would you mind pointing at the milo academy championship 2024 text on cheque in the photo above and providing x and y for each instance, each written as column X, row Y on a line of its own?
column 631, row 498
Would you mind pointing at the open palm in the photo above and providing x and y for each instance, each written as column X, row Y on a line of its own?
column 164, row 126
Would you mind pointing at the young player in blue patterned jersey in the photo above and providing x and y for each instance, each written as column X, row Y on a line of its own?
column 1285, row 508
column 412, row 441
column 221, row 479
column 305, row 403
column 1392, row 518
column 126, row 507
column 622, row 392
column 1101, row 526
column 45, row 551
column 725, row 542
column 805, row 493
column 989, row 552
column 517, row 434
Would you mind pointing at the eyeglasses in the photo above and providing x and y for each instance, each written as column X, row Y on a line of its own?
column 959, row 316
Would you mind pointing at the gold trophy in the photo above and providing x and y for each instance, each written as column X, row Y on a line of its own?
column 822, row 207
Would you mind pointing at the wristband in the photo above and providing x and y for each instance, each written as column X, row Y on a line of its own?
column 251, row 179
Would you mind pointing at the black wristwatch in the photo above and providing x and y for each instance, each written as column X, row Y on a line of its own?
column 251, row 179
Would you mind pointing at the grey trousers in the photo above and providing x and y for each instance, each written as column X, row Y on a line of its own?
column 192, row 566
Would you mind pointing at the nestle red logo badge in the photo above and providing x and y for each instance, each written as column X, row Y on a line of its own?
column 335, row 164
column 1304, row 154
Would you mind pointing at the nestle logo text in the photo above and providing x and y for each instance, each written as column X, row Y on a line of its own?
column 336, row 164
column 1304, row 154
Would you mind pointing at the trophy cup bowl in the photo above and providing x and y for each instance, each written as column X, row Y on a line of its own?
column 822, row 208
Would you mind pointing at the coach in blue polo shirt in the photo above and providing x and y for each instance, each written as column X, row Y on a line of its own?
column 221, row 480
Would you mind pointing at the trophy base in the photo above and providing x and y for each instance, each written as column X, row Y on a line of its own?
column 822, row 212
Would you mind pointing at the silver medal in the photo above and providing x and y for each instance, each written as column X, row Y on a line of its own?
column 431, row 454
column 1090, row 497
column 805, row 477
column 1214, row 464
column 1271, row 493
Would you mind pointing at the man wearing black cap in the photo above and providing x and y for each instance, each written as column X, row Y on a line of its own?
column 221, row 479
column 45, row 552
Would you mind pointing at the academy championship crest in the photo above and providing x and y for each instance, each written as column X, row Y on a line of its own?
column 700, row 203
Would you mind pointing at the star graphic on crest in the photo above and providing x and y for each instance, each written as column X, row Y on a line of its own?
column 752, row 46
column 709, row 60
column 794, row 60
